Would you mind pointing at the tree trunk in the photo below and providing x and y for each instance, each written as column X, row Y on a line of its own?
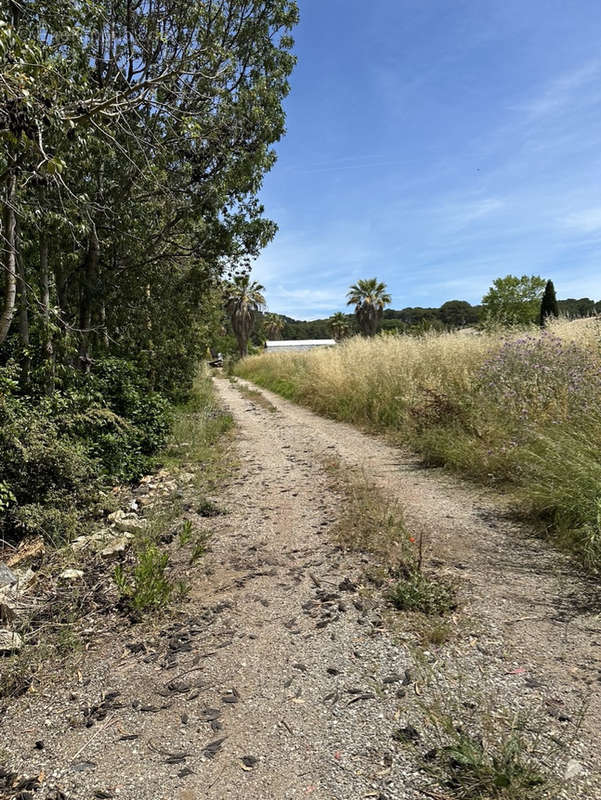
column 105, row 333
column 46, row 333
column 85, row 299
column 151, row 353
column 10, row 261
column 23, row 320
column 60, row 286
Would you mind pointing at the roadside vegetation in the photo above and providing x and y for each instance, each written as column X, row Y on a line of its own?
column 518, row 409
column 479, row 746
column 470, row 741
column 131, row 154
column 79, row 588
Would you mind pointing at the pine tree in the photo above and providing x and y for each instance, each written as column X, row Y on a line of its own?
column 548, row 306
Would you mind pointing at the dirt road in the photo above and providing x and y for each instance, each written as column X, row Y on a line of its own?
column 530, row 625
column 279, row 680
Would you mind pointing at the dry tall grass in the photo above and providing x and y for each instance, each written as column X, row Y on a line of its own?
column 517, row 408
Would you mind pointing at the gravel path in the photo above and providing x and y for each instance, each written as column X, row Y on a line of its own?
column 278, row 679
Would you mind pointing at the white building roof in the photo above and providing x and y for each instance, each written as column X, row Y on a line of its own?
column 301, row 343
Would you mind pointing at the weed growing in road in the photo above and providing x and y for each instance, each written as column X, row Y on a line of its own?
column 467, row 767
column 199, row 540
column 185, row 534
column 370, row 522
column 256, row 397
column 416, row 592
column 474, row 741
column 481, row 754
column 208, row 508
column 145, row 586
column 68, row 640
column 434, row 631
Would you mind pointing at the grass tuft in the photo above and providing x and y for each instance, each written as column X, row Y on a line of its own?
column 256, row 397
column 145, row 586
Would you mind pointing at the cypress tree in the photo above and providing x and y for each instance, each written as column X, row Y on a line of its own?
column 548, row 306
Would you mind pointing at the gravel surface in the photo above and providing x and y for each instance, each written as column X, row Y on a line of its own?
column 273, row 681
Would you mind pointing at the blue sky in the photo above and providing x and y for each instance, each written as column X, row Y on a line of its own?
column 437, row 145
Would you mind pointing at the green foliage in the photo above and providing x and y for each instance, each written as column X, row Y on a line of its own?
column 243, row 301
column 57, row 451
column 339, row 326
column 55, row 519
column 458, row 314
column 199, row 547
column 416, row 592
column 185, row 534
column 502, row 761
column 145, row 586
column 273, row 325
column 6, row 496
column 133, row 143
column 453, row 314
column 514, row 301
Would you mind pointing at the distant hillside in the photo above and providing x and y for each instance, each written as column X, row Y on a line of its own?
column 452, row 314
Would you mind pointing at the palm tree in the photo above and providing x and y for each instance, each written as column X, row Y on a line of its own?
column 369, row 298
column 243, row 300
column 274, row 325
column 339, row 325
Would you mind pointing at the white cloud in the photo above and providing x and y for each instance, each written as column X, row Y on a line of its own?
column 463, row 212
column 586, row 221
column 563, row 91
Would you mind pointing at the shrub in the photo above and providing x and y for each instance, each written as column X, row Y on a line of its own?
column 35, row 457
column 56, row 451
column 145, row 586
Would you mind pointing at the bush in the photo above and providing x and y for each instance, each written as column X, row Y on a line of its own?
column 57, row 451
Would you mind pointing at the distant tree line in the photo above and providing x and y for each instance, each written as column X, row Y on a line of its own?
column 451, row 315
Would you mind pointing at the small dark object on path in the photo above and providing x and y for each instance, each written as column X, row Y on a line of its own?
column 213, row 747
column 183, row 773
column 362, row 696
column 406, row 735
